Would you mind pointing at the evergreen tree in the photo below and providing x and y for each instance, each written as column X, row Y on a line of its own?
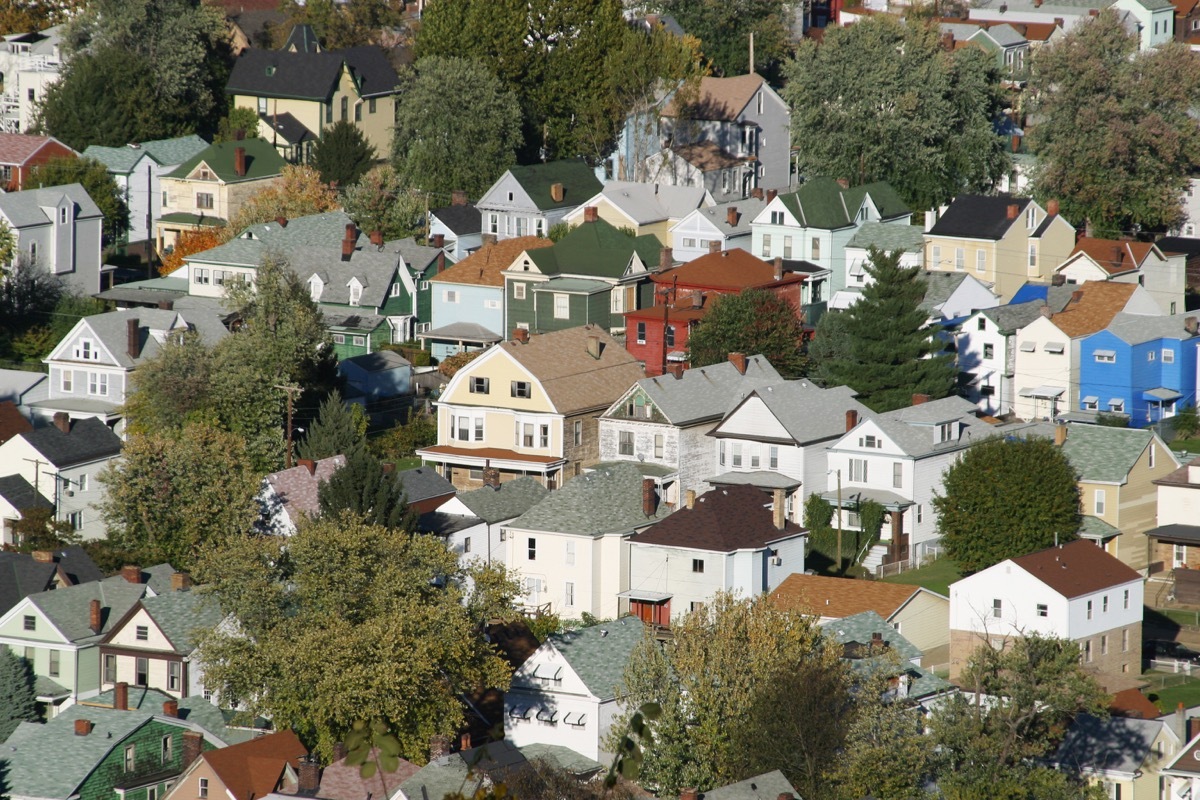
column 16, row 687
column 343, row 154
column 363, row 487
column 892, row 353
column 828, row 346
column 337, row 430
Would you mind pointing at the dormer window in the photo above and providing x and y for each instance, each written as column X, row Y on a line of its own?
column 355, row 292
column 62, row 216
column 315, row 287
column 85, row 350
column 946, row 432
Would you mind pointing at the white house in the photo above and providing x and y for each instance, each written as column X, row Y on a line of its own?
column 1155, row 20
column 58, row 228
column 29, row 65
column 887, row 238
column 644, row 207
column 724, row 226
column 472, row 523
column 1125, row 261
column 530, row 200
column 1075, row 591
column 287, row 496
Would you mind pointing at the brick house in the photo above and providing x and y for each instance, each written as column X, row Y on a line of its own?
column 21, row 152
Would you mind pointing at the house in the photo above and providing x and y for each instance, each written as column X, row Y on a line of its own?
column 302, row 89
column 24, row 574
column 138, row 169
column 17, row 497
column 1047, row 368
column 949, row 296
column 57, row 228
column 276, row 763
column 1143, row 366
column 424, row 490
column 591, row 276
column 1075, row 591
column 291, row 494
column 566, row 693
column 30, row 62
column 818, row 220
column 62, row 461
column 208, row 189
column 21, row 152
column 131, row 742
column 376, row 376
column 644, row 207
column 1175, row 540
column 872, row 647
column 250, row 24
column 342, row 781
column 460, row 225
column 1008, row 46
column 472, row 522
column 1154, row 20
column 1122, row 755
column 776, row 438
column 479, row 768
column 572, row 548
column 1126, row 261
column 153, row 644
column 91, row 368
column 921, row 615
column 12, row 421
column 467, row 301
column 1002, row 240
column 883, row 237
column 545, row 424
column 727, row 224
column 730, row 539
column 23, row 388
column 768, row 786
column 530, row 200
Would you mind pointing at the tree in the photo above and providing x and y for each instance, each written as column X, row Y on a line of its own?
column 338, row 430
column 347, row 621
column 830, row 344
column 28, row 295
column 754, row 321
column 71, row 308
column 379, row 202
column 906, row 111
column 345, row 24
column 724, row 29
column 892, row 353
column 23, row 16
column 96, row 181
column 1004, row 499
column 342, row 155
column 425, row 152
column 190, row 243
column 37, row 529
column 240, row 122
column 171, row 388
column 365, row 488
column 16, row 687
column 298, row 193
column 1114, row 142
column 403, row 440
column 1186, row 422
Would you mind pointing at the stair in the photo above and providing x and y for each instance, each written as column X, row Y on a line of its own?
column 875, row 557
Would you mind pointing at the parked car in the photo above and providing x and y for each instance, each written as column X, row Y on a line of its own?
column 1165, row 650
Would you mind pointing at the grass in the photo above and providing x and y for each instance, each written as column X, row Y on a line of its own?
column 407, row 463
column 1190, row 445
column 1173, row 615
column 1182, row 689
column 936, row 576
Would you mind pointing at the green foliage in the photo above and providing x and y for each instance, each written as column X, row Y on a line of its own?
column 1115, row 143
column 829, row 345
column 35, row 343
column 373, row 749
column 8, row 243
column 239, row 120
column 1186, row 422
column 342, row 155
column 891, row 353
column 907, row 112
column 752, row 322
column 37, row 529
column 338, row 430
column 557, row 231
column 405, row 439
column 1110, row 420
column 16, row 687
column 96, row 180
column 363, row 487
column 544, row 625
column 28, row 297
column 345, row 23
column 379, row 202
column 1004, row 499
column 724, row 29
column 871, row 515
column 70, row 309
column 818, row 512
column 427, row 128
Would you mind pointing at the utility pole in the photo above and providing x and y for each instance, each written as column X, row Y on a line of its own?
column 292, row 391
column 37, row 473
column 839, row 516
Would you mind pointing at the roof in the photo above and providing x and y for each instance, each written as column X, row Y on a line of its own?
column 1005, row 35
column 856, row 632
column 722, row 520
column 705, row 393
column 607, row 500
column 20, row 494
column 1180, row 476
column 252, row 769
column 510, row 499
column 707, row 156
column 1097, row 304
column 573, row 379
column 808, row 412
column 21, row 575
column 112, row 329
column 89, row 440
column 596, row 250
column 17, row 148
column 68, row 609
column 1116, row 744
column 1011, row 318
column 462, row 331
column 910, row 427
column 308, row 75
column 1139, row 328
column 463, row 220
column 1103, row 454
column 647, row 203
column 485, row 267
column 843, row 597
column 165, row 152
column 290, row 129
column 340, row 781
column 262, row 160
column 12, row 422
column 823, row 203
column 302, row 38
column 746, row 209
column 719, row 98
column 733, row 270
column 577, row 179
column 378, row 361
column 178, row 614
column 423, row 483
column 1186, row 245
column 297, row 487
column 598, row 654
column 888, row 237
column 467, row 770
column 768, row 786
column 25, row 209
column 976, row 216
column 1114, row 256
column 1076, row 569
column 939, row 286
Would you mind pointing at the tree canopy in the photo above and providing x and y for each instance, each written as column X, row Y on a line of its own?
column 904, row 110
column 1115, row 141
column 342, row 155
column 1004, row 499
column 337, row 430
column 16, row 687
column 755, row 321
column 299, row 192
column 724, row 29
column 96, row 180
column 364, row 487
column 381, row 202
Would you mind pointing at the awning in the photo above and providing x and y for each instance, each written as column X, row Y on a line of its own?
column 1175, row 533
column 1104, row 353
column 1091, row 399
column 1028, row 347
column 1116, row 402
column 646, row 596
column 548, row 715
column 1043, row 392
column 1054, row 347
column 518, row 712
column 1161, row 394
column 548, row 671
column 575, row 718
column 981, row 376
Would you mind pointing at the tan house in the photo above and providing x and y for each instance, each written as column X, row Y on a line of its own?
column 1175, row 541
column 273, row 764
column 1123, row 756
column 529, row 407
column 1004, row 241
column 643, row 207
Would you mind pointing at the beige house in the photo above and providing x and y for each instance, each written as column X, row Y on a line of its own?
column 273, row 764
column 643, row 207
column 1124, row 756
column 1175, row 541
column 1004, row 241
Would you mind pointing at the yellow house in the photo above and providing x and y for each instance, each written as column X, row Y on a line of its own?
column 643, row 207
column 302, row 89
column 1004, row 241
column 1123, row 755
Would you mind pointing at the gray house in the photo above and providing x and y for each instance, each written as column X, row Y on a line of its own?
column 58, row 228
column 529, row 200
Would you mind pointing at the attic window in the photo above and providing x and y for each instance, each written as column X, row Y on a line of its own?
column 270, row 70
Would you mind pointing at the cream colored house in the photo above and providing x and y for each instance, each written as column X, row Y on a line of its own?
column 1124, row 756
column 644, row 207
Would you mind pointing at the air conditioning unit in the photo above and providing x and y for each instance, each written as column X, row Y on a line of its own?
column 777, row 561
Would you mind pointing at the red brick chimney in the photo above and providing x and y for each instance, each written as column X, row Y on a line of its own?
column 851, row 419
column 282, row 220
column 1013, row 210
column 376, row 238
column 95, row 618
column 458, row 197
column 666, row 258
column 181, row 581
column 948, row 41
column 844, row 183
column 778, row 268
column 239, row 161
column 918, row 399
column 739, row 362
column 731, row 216
column 348, row 246
column 675, row 369
column 757, row 193
column 557, row 192
column 491, row 477
column 689, row 794
column 193, row 745
column 308, row 777
column 590, row 213
column 1052, row 208
column 121, row 696
column 520, row 335
column 83, row 727
column 649, row 497
column 771, row 195
column 133, row 339
column 438, row 240
column 308, row 464
column 43, row 556
column 171, row 708
column 714, row 246
column 62, row 421
column 132, row 573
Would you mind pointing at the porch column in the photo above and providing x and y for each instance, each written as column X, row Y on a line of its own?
column 897, row 532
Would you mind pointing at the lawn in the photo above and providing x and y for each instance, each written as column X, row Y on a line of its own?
column 407, row 463
column 936, row 576
column 1190, row 445
column 1166, row 617
column 1183, row 690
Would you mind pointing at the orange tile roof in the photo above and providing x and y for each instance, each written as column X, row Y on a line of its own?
column 841, row 597
column 721, row 98
column 1114, row 255
column 733, row 269
column 485, row 267
column 1098, row 303
column 252, row 769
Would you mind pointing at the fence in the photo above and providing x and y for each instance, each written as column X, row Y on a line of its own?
column 916, row 562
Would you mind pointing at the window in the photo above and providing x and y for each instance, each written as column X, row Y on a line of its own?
column 466, row 544
column 1090, row 404
column 721, row 453
column 816, row 249
column 1124, row 640
column 355, row 292
column 462, row 431
column 1179, row 555
column 1116, row 405
column 479, row 429
column 658, row 445
column 204, row 200
column 345, row 108
column 766, row 245
column 75, row 519
column 203, row 791
column 66, row 381
column 670, row 336
column 897, row 475
column 544, row 436
column 737, row 455
column 339, row 338
column 450, row 296
column 1099, row 503
column 625, row 443
column 532, row 549
column 773, row 457
column 960, row 258
column 358, row 112
column 85, row 351
column 98, row 383
column 525, row 434
column 1032, row 257
column 577, row 439
column 1030, row 216
column 1151, row 455
column 1125, row 602
column 777, row 218
column 989, row 351
column 562, row 306
column 641, row 333
column 142, row 676
column 937, row 255
column 174, row 675
column 62, row 216
column 54, row 660
column 1043, row 610
column 787, row 247
column 518, row 291
column 697, row 605
column 200, row 276
column 980, row 261
column 981, row 324
column 1168, row 356
column 1103, row 645
column 166, row 750
column 130, row 757
column 521, row 389
column 569, row 594
column 30, row 622
column 858, row 470
column 480, row 385
column 33, row 252
column 110, row 668
column 698, row 565
column 1150, row 356
column 1089, row 609
column 754, row 457
column 1106, row 356
column 997, row 608
column 946, row 432
column 869, row 442
column 1104, row 604
column 32, row 96
column 919, row 511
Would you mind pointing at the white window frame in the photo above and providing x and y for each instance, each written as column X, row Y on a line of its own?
column 562, row 306
column 518, row 291
column 1099, row 504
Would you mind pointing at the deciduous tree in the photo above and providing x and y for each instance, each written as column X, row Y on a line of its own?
column 380, row 202
column 37, row 529
column 240, row 121
column 96, row 180
column 190, row 243
column 724, row 30
column 299, row 192
column 754, row 321
column 1005, row 498
column 16, row 687
column 170, row 388
column 23, row 16
column 342, row 155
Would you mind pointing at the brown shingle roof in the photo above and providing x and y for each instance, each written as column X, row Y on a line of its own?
column 723, row 520
column 340, row 781
column 707, row 156
column 485, row 267
column 1098, row 303
column 841, row 597
column 297, row 487
column 17, row 148
column 1180, row 476
column 1076, row 569
column 574, row 380
column 720, row 98
column 1114, row 256
column 11, row 421
column 252, row 769
column 1038, row 31
column 733, row 269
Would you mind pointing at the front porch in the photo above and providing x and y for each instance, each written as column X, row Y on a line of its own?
column 464, row 467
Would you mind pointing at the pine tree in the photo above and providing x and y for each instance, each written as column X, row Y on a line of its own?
column 892, row 352
column 337, row 430
column 16, row 687
column 343, row 155
column 362, row 486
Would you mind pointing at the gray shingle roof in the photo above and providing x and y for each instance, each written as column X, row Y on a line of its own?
column 21, row 576
column 179, row 614
column 1119, row 744
column 1008, row 36
column 468, row 770
column 310, row 76
column 24, row 209
column 860, row 628
column 912, row 428
column 21, row 495
column 600, row 653
column 808, row 412
column 1012, row 318
column 69, row 609
column 939, row 286
column 888, row 237
column 607, row 500
column 165, row 152
column 378, row 361
column 768, row 786
column 89, row 440
column 1100, row 453
column 512, row 499
column 1139, row 328
column 706, row 393
column 648, row 203
column 463, row 220
column 747, row 210
column 111, row 328
column 423, row 483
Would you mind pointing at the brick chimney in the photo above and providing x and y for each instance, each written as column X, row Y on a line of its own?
column 1077, row 296
column 778, row 507
column 1052, row 208
column 121, row 696
column 193, row 744
column 486, row 239
column 918, row 399
column 844, row 183
column 948, row 40
column 756, row 193
column 1093, row 12
column 491, row 477
column 347, row 249
column 593, row 346
column 557, row 192
column 1058, row 280
column 1060, row 22
column 95, row 617
column 739, row 362
column 376, row 238
column 308, row 464
column 1013, row 210
column 1190, row 324
column 771, row 195
column 1016, row 143
column 689, row 794
column 714, row 246
column 439, row 746
column 339, row 748
column 132, row 573
column 83, row 727
column 786, row 796
column 43, row 556
column 308, row 777
column 778, row 263
column 171, row 708
column 690, row 498
column 181, row 581
column 851, row 419
column 590, row 213
column 133, row 339
column 731, row 216
column 1046, row 312
column 282, row 220
column 666, row 258
column 649, row 497
column 520, row 335
column 675, row 369
column 166, row 305
column 1060, row 435
column 458, row 197
column 62, row 421
column 239, row 161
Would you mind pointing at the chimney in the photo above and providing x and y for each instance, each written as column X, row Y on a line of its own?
column 441, row 261
column 487, row 238
column 282, row 220
column 1077, row 296
column 1052, row 208
column 491, row 477
column 166, row 305
column 557, row 192
column 666, row 258
column 95, row 619
column 739, row 362
column 62, row 421
column 181, row 581
column 1046, row 312
column 1058, row 280
column 520, row 335
column 439, row 745
column 121, row 696
column 308, row 777
column 43, row 556
column 918, row 399
column 1190, row 325
column 133, row 339
column 714, row 246
column 339, row 748
column 239, row 161
column 171, row 708
column 347, row 249
column 786, row 796
column 851, row 419
column 83, row 727
column 192, row 745
column 1016, row 144
column 689, row 794
column 1093, row 12
column 132, row 573
column 590, row 213
column 1037, row 3
column 593, row 346
column 388, row 467
column 844, row 183
column 458, row 197
column 676, row 369
column 439, row 240
column 778, row 507
column 778, row 268
column 649, row 498
column 1060, row 22
column 464, row 740
column 308, row 464
column 376, row 238
column 1013, row 210
column 697, row 300
column 1060, row 435
column 771, row 195
column 690, row 498
column 948, row 40
column 731, row 217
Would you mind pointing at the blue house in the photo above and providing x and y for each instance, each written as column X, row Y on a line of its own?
column 1142, row 366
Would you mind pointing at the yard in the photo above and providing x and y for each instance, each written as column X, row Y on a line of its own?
column 1190, row 445
column 936, row 576
column 1167, row 690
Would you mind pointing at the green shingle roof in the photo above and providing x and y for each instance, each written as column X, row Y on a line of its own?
column 179, row 614
column 512, row 499
column 888, row 237
column 822, row 203
column 578, row 180
column 596, row 250
column 1104, row 454
column 860, row 627
column 262, row 161
column 607, row 500
column 600, row 653
column 166, row 152
column 69, row 609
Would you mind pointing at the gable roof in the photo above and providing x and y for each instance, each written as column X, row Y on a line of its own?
column 378, row 361
column 721, row 99
column 179, row 614
column 888, row 237
column 1115, row 256
column 310, row 75
column 1104, row 454
column 510, row 499
column 297, row 487
column 599, row 653
column 1093, row 306
column 577, row 179
column 89, row 440
column 112, row 329
column 485, row 267
column 164, row 152
column 21, row 575
column 1140, row 328
column 252, row 769
column 745, row 208
column 911, row 428
column 707, row 156
column 733, row 270
column 1013, row 317
column 823, row 203
column 1113, row 744
column 69, row 608
column 25, row 209
column 808, row 412
column 463, row 220
column 768, row 786
column 423, row 483
column 647, row 203
column 705, row 393
column 596, row 250
column 844, row 597
column 976, row 216
column 606, row 500
column 20, row 494
column 1077, row 568
column 723, row 520
column 262, row 160
column 17, row 148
